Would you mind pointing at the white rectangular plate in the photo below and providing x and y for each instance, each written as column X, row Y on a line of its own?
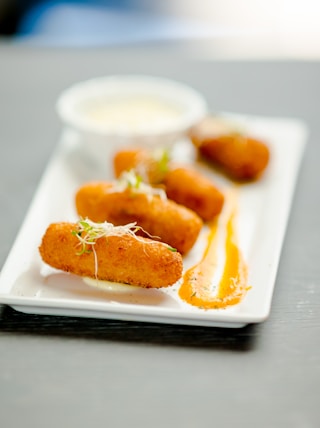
column 29, row 286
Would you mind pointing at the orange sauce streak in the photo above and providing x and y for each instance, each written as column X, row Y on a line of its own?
column 196, row 288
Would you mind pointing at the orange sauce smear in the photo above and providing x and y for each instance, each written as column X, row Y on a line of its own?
column 196, row 288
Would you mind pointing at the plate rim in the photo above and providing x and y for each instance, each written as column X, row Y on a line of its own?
column 51, row 306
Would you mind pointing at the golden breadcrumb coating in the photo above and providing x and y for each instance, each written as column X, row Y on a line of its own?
column 162, row 219
column 183, row 184
column 240, row 156
column 141, row 161
column 190, row 188
column 124, row 259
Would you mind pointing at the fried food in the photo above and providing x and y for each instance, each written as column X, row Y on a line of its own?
column 161, row 218
column 123, row 258
column 183, row 184
column 193, row 190
column 240, row 156
column 152, row 166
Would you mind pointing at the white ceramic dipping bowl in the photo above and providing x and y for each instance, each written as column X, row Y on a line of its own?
column 121, row 110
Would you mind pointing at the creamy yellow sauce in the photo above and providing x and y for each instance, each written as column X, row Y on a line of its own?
column 197, row 288
column 132, row 113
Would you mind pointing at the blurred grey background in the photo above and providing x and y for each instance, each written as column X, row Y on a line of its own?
column 208, row 28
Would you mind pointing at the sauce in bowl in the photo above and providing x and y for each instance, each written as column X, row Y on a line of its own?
column 133, row 113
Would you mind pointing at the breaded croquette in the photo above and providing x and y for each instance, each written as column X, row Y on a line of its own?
column 160, row 218
column 126, row 258
column 239, row 155
column 183, row 184
column 193, row 190
column 152, row 166
column 126, row 160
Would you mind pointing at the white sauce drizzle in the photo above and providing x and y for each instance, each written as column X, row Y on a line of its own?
column 115, row 287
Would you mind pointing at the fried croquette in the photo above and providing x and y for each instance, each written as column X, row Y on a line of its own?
column 160, row 218
column 183, row 184
column 124, row 259
column 151, row 166
column 193, row 190
column 240, row 156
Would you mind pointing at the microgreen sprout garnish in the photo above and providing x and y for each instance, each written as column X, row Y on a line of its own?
column 88, row 232
column 130, row 180
column 162, row 158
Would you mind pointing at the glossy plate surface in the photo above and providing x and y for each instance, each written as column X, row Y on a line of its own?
column 29, row 286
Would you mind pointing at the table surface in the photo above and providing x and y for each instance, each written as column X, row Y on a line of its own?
column 64, row 371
